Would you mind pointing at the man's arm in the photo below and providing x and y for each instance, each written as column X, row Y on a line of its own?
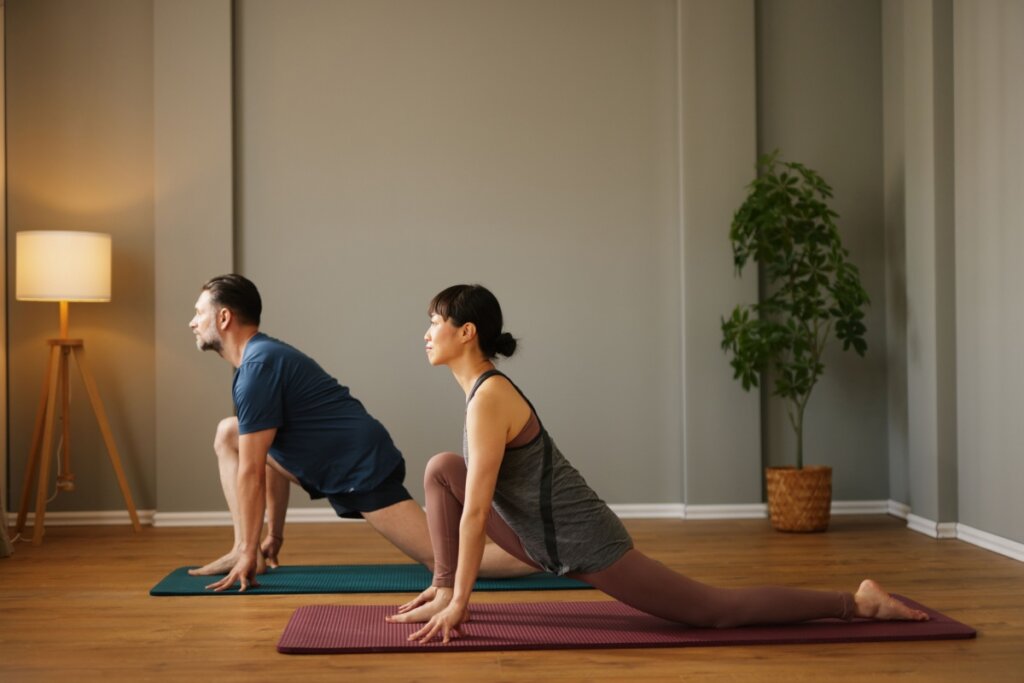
column 251, row 491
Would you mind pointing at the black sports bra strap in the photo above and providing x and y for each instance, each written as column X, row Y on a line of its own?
column 480, row 380
column 491, row 373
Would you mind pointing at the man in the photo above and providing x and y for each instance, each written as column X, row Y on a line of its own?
column 297, row 424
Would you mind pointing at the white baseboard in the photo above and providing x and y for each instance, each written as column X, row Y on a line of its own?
column 760, row 510
column 996, row 544
column 325, row 514
column 737, row 511
column 94, row 518
column 649, row 510
column 967, row 534
column 897, row 509
column 317, row 515
column 930, row 528
column 860, row 507
column 167, row 519
column 223, row 518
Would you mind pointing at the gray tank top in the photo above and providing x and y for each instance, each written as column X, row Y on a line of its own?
column 564, row 526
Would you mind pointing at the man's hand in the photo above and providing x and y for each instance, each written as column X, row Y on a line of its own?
column 244, row 573
column 270, row 547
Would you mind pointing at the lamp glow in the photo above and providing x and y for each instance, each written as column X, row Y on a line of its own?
column 62, row 265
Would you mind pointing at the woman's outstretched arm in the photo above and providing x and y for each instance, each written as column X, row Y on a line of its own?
column 487, row 432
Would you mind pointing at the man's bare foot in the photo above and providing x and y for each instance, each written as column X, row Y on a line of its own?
column 422, row 613
column 873, row 602
column 222, row 565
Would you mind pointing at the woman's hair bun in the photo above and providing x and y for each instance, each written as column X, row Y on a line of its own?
column 506, row 344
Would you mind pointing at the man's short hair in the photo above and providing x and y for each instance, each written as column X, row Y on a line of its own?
column 238, row 294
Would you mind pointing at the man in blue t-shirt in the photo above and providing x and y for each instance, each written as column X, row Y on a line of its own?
column 296, row 424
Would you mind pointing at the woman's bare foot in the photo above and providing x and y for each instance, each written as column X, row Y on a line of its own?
column 873, row 602
column 222, row 565
column 422, row 613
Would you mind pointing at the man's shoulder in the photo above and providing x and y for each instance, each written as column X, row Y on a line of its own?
column 263, row 358
column 263, row 347
column 266, row 356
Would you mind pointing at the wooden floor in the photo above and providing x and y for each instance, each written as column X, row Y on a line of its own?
column 77, row 609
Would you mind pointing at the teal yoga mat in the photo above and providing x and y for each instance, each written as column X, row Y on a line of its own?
column 350, row 578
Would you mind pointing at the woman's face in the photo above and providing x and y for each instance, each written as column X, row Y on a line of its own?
column 442, row 340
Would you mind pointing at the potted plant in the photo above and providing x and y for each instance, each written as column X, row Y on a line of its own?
column 811, row 292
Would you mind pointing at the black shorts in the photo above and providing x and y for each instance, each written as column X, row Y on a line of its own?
column 390, row 491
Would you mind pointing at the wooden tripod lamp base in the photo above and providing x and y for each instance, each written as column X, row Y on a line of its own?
column 56, row 387
column 63, row 266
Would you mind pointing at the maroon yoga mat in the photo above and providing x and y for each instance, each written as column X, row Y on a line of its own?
column 337, row 629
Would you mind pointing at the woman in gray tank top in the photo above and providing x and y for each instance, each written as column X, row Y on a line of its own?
column 513, row 484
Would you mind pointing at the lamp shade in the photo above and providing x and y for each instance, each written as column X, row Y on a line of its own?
column 62, row 265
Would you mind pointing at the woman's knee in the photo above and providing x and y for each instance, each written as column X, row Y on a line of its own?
column 440, row 467
column 226, row 437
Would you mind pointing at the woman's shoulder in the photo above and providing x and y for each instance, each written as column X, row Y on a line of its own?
column 494, row 387
column 498, row 398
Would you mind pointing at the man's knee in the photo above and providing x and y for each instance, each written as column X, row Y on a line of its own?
column 226, row 437
column 440, row 466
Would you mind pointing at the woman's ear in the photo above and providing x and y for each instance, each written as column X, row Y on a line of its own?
column 467, row 332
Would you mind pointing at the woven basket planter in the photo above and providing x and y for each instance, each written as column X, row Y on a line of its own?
column 799, row 500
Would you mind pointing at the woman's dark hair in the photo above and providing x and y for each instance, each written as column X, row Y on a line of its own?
column 237, row 294
column 475, row 304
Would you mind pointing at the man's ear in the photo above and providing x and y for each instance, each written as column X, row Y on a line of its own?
column 224, row 317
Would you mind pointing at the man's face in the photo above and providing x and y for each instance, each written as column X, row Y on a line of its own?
column 204, row 324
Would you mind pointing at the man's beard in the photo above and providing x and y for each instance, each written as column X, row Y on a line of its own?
column 211, row 345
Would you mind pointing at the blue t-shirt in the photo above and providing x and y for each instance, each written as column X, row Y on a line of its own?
column 324, row 437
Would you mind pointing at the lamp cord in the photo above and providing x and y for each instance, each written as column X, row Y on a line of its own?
column 56, row 488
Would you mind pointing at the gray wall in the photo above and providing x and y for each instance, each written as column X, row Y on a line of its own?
column 919, row 197
column 193, row 210
column 529, row 146
column 954, row 215
column 80, row 157
column 721, row 423
column 893, row 105
column 989, row 152
column 820, row 103
column 931, row 308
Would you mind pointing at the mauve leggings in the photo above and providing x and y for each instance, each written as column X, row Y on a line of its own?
column 634, row 579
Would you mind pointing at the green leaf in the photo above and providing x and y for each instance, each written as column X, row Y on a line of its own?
column 813, row 290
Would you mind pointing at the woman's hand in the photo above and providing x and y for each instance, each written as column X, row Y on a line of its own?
column 423, row 608
column 421, row 599
column 446, row 623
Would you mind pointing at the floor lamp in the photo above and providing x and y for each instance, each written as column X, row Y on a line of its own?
column 63, row 266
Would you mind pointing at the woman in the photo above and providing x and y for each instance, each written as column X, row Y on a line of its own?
column 516, row 487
